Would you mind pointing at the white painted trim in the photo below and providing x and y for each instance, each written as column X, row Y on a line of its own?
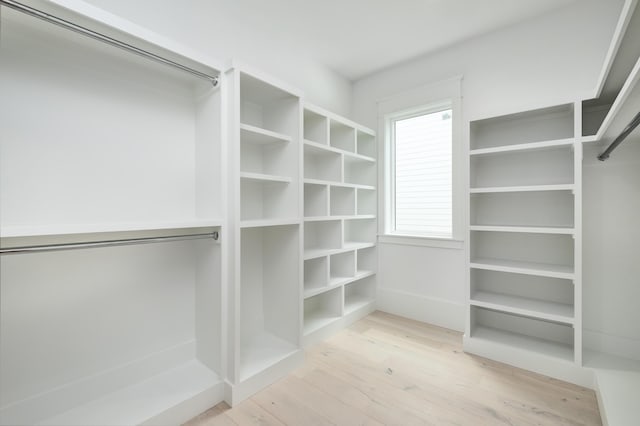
column 615, row 345
column 431, row 310
column 421, row 98
column 415, row 240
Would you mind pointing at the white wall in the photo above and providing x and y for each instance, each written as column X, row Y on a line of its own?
column 611, row 202
column 550, row 60
column 224, row 30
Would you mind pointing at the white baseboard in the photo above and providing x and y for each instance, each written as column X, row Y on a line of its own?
column 440, row 312
column 614, row 345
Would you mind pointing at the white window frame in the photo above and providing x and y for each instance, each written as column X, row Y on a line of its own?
column 424, row 100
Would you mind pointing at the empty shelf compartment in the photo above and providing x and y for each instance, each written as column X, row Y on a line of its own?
column 322, row 309
column 521, row 333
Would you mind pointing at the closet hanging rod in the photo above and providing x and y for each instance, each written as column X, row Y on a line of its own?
column 108, row 243
column 104, row 38
column 632, row 125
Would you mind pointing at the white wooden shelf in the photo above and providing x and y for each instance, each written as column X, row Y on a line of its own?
column 259, row 223
column 12, row 231
column 527, row 188
column 589, row 139
column 259, row 136
column 315, row 320
column 339, row 220
column 261, row 352
column 535, row 308
column 314, row 291
column 356, row 245
column 315, row 253
column 145, row 401
column 356, row 302
column 341, row 217
column 322, row 147
column 522, row 342
column 524, row 229
column 336, row 282
column 519, row 267
column 341, row 184
column 261, row 177
column 534, row 146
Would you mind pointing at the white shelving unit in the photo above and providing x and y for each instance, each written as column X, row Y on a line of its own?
column 265, row 306
column 525, row 240
column 339, row 222
column 101, row 145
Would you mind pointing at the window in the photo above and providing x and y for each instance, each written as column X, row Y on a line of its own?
column 422, row 173
column 422, row 162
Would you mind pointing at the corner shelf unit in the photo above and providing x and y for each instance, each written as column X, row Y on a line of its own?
column 524, row 273
column 340, row 227
column 264, row 332
column 122, row 148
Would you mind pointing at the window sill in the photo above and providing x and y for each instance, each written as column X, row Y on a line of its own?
column 413, row 240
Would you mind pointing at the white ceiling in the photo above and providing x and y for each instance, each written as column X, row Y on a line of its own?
column 359, row 37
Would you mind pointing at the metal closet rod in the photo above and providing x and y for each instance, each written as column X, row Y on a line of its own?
column 105, row 39
column 109, row 243
column 632, row 125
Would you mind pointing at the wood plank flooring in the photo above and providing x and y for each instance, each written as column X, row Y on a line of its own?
column 387, row 370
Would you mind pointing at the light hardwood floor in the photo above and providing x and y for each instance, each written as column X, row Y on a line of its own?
column 387, row 370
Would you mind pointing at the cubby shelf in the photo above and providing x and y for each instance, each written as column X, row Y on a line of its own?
column 322, row 147
column 533, row 146
column 268, row 222
column 352, row 304
column 317, row 320
column 261, row 177
column 336, row 283
column 256, row 135
column 339, row 184
column 339, row 222
column 535, row 308
column 519, row 267
column 525, row 188
column 524, row 229
column 315, row 253
column 314, row 291
column 509, row 340
column 342, row 217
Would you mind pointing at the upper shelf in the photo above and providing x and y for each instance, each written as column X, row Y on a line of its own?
column 523, row 130
column 259, row 136
column 618, row 99
column 103, row 22
column 533, row 146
